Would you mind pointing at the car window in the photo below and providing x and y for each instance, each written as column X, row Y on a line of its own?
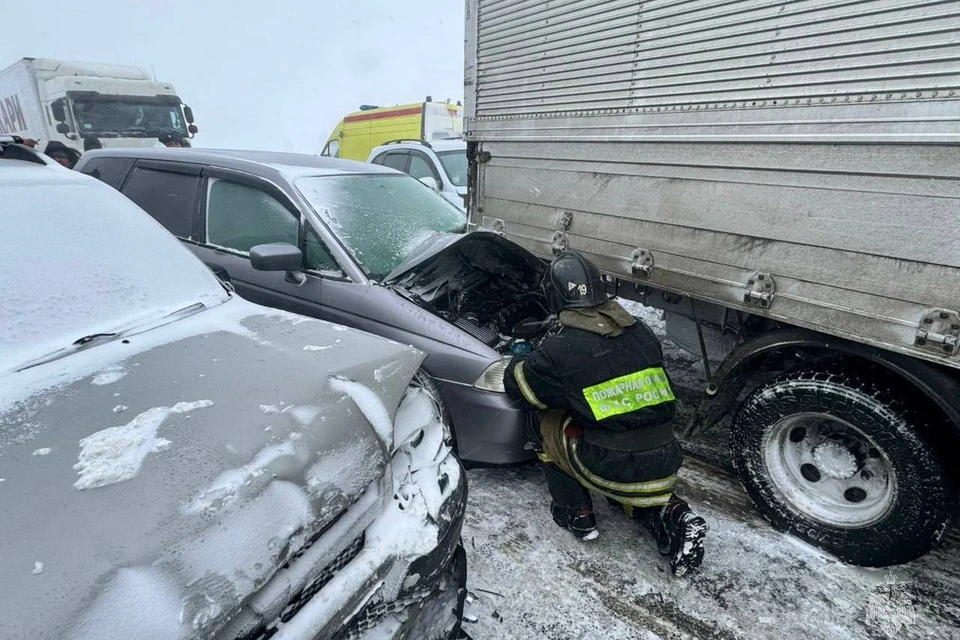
column 110, row 170
column 455, row 164
column 167, row 196
column 379, row 159
column 397, row 160
column 380, row 218
column 81, row 260
column 317, row 257
column 332, row 149
column 421, row 167
column 240, row 217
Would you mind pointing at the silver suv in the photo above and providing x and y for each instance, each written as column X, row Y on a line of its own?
column 177, row 462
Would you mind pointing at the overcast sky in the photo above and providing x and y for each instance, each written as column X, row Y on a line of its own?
column 266, row 75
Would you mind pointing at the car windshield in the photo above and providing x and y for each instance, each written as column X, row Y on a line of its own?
column 129, row 117
column 455, row 164
column 80, row 259
column 381, row 219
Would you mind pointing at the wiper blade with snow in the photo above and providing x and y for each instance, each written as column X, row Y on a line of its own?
column 90, row 338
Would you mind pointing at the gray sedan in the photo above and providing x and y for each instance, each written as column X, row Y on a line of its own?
column 364, row 246
column 176, row 462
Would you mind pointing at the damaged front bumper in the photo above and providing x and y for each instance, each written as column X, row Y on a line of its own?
column 398, row 567
column 382, row 590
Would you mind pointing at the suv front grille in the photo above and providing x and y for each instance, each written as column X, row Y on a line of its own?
column 300, row 600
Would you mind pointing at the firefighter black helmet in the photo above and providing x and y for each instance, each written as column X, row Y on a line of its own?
column 573, row 282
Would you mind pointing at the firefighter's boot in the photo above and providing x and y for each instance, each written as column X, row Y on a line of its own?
column 679, row 533
column 579, row 521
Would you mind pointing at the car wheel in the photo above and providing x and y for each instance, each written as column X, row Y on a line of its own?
column 838, row 458
column 422, row 380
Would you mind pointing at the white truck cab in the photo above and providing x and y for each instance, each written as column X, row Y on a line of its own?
column 441, row 165
column 86, row 104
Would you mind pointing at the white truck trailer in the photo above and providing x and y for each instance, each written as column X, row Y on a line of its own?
column 79, row 102
column 783, row 178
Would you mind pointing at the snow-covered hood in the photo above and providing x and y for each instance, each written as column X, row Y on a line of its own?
column 485, row 246
column 179, row 472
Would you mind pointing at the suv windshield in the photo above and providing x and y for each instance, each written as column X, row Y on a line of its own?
column 381, row 219
column 455, row 164
column 79, row 259
column 129, row 117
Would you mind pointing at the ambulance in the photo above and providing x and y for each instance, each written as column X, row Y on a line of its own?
column 360, row 132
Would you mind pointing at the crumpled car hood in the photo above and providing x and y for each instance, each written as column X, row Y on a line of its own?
column 499, row 253
column 174, row 481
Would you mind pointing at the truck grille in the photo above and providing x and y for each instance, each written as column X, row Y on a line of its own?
column 301, row 599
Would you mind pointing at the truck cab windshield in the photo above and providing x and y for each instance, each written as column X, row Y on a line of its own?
column 128, row 117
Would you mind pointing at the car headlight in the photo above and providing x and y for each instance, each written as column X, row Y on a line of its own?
column 492, row 378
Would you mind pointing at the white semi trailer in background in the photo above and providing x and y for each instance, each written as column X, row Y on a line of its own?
column 78, row 102
column 783, row 178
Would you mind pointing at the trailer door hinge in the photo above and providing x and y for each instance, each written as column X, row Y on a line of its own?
column 759, row 290
column 642, row 263
column 939, row 330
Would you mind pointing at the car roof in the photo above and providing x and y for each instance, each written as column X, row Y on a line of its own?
column 438, row 146
column 25, row 172
column 287, row 165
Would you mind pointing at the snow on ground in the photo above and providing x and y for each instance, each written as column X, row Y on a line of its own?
column 530, row 579
column 755, row 582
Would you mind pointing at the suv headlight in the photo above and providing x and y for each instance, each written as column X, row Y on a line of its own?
column 492, row 378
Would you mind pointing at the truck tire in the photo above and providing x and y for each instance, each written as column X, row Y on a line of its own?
column 838, row 458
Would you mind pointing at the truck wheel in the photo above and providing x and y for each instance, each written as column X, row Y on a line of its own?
column 837, row 458
column 422, row 380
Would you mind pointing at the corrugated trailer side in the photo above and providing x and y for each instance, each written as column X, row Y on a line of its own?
column 783, row 177
column 811, row 142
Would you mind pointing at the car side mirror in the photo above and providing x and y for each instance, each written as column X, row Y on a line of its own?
column 63, row 128
column 193, row 129
column 188, row 114
column 276, row 256
column 431, row 182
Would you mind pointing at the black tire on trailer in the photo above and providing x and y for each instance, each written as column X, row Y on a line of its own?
column 423, row 380
column 841, row 458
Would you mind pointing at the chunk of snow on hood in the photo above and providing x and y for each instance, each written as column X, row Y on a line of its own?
column 387, row 370
column 270, row 408
column 109, row 376
column 120, row 408
column 229, row 485
column 361, row 457
column 37, row 568
column 369, row 404
column 304, row 414
column 416, row 412
column 315, row 347
column 116, row 454
column 139, row 602
column 42, row 452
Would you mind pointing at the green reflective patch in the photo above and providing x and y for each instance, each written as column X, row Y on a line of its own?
column 629, row 393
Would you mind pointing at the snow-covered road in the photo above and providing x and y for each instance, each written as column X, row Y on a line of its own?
column 529, row 579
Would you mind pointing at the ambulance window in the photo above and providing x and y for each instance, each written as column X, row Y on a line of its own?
column 332, row 149
column 397, row 160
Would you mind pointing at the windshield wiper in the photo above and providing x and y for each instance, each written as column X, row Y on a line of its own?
column 79, row 342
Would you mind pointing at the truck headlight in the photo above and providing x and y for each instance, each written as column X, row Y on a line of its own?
column 492, row 378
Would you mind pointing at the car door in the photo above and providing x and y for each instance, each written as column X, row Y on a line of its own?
column 168, row 191
column 241, row 211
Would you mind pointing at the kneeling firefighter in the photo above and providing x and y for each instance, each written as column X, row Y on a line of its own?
column 604, row 415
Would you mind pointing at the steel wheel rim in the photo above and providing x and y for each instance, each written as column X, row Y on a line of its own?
column 829, row 471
